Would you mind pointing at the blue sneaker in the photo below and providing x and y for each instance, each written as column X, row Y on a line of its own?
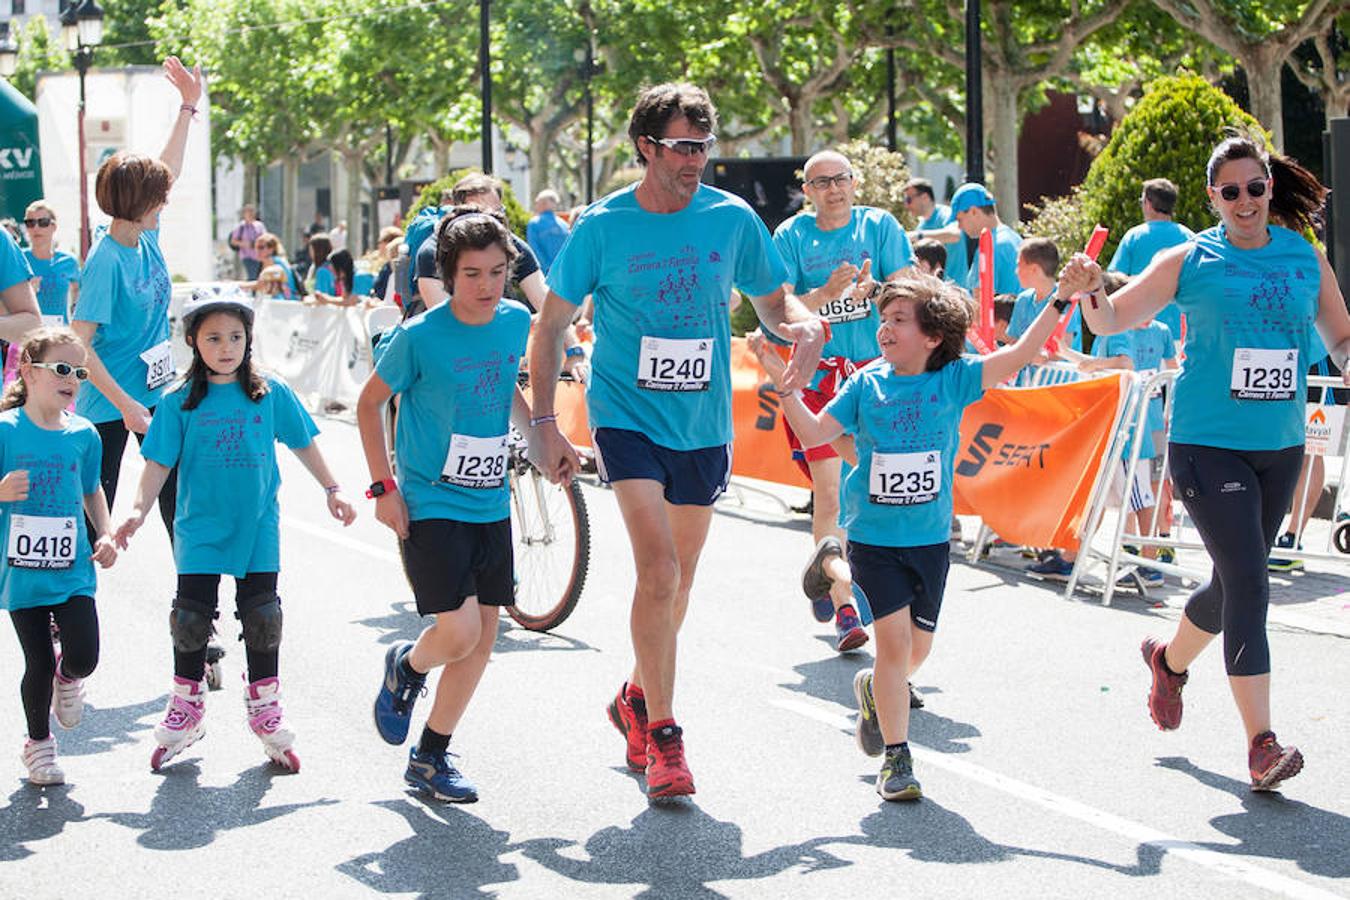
column 1053, row 568
column 1284, row 564
column 398, row 693
column 848, row 630
column 438, row 778
column 1151, row 577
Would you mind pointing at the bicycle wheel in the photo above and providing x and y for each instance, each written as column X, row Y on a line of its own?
column 552, row 536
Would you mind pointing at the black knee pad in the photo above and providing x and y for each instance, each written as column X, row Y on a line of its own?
column 190, row 624
column 260, row 618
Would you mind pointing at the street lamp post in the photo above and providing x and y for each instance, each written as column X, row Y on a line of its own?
column 485, row 74
column 588, row 69
column 974, row 95
column 9, row 52
column 81, row 32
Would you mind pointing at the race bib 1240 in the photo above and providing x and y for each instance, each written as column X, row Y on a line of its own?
column 675, row 364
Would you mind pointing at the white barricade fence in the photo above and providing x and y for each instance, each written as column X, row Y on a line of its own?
column 1325, row 434
column 322, row 352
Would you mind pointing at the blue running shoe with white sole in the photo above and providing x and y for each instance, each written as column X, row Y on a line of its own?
column 398, row 693
column 434, row 775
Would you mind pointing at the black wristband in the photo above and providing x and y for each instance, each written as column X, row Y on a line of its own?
column 1060, row 304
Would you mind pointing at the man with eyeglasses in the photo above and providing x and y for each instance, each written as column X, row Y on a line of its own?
column 835, row 252
column 937, row 223
column 1145, row 241
column 661, row 259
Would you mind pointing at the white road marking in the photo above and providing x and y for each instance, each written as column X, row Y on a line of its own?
column 1231, row 866
column 329, row 533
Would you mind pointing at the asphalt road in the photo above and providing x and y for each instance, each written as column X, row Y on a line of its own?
column 1042, row 772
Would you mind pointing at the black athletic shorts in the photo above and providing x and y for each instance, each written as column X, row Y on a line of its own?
column 897, row 577
column 448, row 561
column 688, row 477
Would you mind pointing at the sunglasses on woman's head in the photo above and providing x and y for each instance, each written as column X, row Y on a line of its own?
column 40, row 222
column 63, row 369
column 1255, row 188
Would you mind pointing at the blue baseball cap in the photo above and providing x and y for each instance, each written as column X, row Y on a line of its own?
column 971, row 195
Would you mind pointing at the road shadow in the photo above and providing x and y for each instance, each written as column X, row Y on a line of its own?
column 449, row 854
column 35, row 814
column 929, row 832
column 184, row 815
column 831, row 679
column 103, row 729
column 672, row 850
column 402, row 623
column 1274, row 826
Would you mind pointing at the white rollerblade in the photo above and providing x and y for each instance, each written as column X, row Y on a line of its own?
column 40, row 758
column 182, row 726
column 67, row 698
column 262, row 699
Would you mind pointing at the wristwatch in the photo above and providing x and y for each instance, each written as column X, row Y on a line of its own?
column 574, row 351
column 380, row 488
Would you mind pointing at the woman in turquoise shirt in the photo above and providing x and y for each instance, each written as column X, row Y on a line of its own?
column 123, row 311
column 1250, row 287
column 57, row 272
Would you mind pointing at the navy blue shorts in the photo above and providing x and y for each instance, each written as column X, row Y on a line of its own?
column 897, row 577
column 690, row 477
column 448, row 561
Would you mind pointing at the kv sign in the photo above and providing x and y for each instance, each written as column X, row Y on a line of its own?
column 16, row 158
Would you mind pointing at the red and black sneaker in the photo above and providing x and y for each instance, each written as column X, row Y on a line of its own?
column 629, row 715
column 1164, row 697
column 1270, row 763
column 668, row 775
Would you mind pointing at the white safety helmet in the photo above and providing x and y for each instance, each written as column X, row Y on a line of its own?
column 206, row 301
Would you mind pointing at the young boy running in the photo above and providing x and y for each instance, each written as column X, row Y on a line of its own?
column 904, row 411
column 454, row 368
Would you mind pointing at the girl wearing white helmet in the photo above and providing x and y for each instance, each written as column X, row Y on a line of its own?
column 220, row 426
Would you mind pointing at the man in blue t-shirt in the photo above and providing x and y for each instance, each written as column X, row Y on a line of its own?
column 975, row 211
column 938, row 223
column 545, row 232
column 1158, row 232
column 661, row 259
column 835, row 251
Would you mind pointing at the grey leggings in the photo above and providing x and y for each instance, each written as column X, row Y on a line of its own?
column 1237, row 499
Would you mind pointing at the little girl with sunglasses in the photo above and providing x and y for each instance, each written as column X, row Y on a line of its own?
column 50, row 458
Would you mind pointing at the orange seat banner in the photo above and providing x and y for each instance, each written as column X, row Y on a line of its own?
column 1029, row 457
column 1027, row 463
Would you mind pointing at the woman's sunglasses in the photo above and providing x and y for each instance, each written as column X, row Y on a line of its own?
column 40, row 222
column 63, row 369
column 1255, row 188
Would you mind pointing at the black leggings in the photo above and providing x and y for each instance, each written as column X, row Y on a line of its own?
column 1237, row 499
column 114, row 437
column 203, row 591
column 78, row 621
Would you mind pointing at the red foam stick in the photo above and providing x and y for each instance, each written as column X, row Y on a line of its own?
column 1093, row 250
column 974, row 336
column 986, row 276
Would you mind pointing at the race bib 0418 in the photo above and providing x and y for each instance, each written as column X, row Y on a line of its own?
column 42, row 542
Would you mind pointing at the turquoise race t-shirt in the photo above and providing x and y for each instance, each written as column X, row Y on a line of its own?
column 228, row 521
column 1137, row 249
column 125, row 291
column 47, row 557
column 1249, row 342
column 456, row 384
column 811, row 255
column 1006, row 243
column 662, row 285
column 54, row 277
column 13, row 267
column 1147, row 347
column 1027, row 308
column 906, row 429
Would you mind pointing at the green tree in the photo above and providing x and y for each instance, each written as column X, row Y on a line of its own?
column 1261, row 37
column 1169, row 134
column 1328, row 70
column 39, row 51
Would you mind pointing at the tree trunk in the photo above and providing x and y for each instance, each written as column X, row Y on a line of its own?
column 351, row 164
column 538, row 153
column 290, row 197
column 251, row 186
column 1000, row 99
column 1264, row 66
column 801, row 126
column 440, row 155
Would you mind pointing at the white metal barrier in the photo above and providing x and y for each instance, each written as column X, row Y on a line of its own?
column 1326, row 438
